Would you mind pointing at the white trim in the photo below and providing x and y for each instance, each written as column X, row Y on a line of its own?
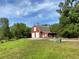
column 37, row 35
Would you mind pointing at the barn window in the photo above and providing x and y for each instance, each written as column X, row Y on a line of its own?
column 34, row 28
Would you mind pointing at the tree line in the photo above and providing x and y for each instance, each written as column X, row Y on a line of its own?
column 18, row 30
column 68, row 26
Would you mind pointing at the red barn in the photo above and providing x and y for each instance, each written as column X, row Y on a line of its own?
column 40, row 31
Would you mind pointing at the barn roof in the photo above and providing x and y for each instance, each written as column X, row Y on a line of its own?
column 44, row 28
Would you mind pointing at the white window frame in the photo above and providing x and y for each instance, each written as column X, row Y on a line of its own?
column 34, row 28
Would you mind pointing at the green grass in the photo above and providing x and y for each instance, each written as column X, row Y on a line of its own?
column 39, row 49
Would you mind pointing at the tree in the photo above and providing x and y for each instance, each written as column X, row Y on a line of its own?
column 20, row 30
column 4, row 28
column 70, row 31
column 69, row 20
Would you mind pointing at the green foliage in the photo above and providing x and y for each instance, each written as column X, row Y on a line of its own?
column 45, row 25
column 70, row 31
column 54, row 27
column 4, row 29
column 20, row 30
column 69, row 20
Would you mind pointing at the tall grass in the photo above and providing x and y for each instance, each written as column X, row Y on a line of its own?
column 39, row 49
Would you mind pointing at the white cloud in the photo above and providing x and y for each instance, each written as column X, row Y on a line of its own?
column 26, row 7
column 45, row 5
column 18, row 13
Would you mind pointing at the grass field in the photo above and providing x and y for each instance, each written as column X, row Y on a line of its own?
column 39, row 49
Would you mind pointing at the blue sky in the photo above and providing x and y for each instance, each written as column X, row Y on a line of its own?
column 30, row 12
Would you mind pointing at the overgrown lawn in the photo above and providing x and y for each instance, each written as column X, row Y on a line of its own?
column 39, row 49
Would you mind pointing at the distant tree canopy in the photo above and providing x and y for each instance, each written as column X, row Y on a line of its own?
column 69, row 20
column 45, row 25
column 20, row 30
column 54, row 28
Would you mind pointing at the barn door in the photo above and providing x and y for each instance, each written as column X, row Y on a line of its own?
column 37, row 35
column 33, row 35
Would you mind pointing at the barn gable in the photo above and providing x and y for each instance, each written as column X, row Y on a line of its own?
column 35, row 29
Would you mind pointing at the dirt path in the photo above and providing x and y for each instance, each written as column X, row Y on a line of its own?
column 62, row 39
column 55, row 39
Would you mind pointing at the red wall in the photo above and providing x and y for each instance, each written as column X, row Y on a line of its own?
column 44, row 33
column 37, row 30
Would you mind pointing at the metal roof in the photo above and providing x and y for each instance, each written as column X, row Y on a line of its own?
column 44, row 28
